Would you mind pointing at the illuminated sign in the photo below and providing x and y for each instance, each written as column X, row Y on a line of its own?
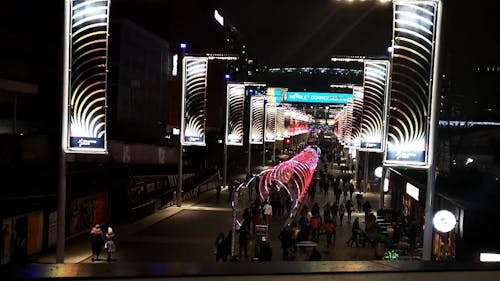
column 270, row 132
column 275, row 95
column 257, row 120
column 194, row 81
column 86, row 38
column 373, row 124
column 357, row 111
column 234, row 113
column 280, row 123
column 411, row 94
column 412, row 190
column 317, row 97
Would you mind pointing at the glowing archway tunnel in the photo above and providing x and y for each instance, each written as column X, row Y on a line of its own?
column 294, row 176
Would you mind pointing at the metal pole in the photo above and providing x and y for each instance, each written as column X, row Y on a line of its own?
column 264, row 153
column 365, row 170
column 224, row 177
column 356, row 167
column 382, row 181
column 61, row 189
column 233, row 229
column 14, row 116
column 274, row 152
column 249, row 168
column 178, row 197
column 61, row 208
column 431, row 175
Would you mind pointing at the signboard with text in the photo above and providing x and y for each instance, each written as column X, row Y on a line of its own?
column 86, row 39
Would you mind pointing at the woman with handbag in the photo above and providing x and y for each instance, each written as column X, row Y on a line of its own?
column 110, row 245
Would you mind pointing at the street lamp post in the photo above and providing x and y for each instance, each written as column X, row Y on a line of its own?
column 434, row 120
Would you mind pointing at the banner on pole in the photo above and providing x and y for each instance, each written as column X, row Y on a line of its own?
column 375, row 101
column 85, row 97
column 257, row 119
column 407, row 140
column 234, row 113
column 194, row 90
column 270, row 132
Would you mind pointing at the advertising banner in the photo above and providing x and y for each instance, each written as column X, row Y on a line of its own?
column 257, row 120
column 357, row 112
column 280, row 123
column 86, row 40
column 317, row 97
column 234, row 113
column 270, row 132
column 35, row 233
column 376, row 92
column 86, row 212
column 194, row 90
column 412, row 81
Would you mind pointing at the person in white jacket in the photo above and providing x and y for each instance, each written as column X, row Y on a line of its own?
column 268, row 212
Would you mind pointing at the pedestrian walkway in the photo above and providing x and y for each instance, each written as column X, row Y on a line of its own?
column 77, row 250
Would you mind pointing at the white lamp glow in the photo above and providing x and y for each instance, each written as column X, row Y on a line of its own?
column 444, row 221
column 378, row 172
column 489, row 257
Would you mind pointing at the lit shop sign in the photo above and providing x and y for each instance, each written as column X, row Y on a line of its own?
column 275, row 94
column 371, row 145
column 317, row 97
column 412, row 190
column 86, row 38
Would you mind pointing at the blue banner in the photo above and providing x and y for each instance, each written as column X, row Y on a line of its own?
column 318, row 97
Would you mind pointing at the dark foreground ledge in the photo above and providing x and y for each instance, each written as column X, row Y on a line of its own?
column 373, row 270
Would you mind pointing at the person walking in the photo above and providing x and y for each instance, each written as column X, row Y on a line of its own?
column 243, row 240
column 349, row 208
column 218, row 189
column 355, row 232
column 110, row 245
column 335, row 211
column 359, row 201
column 367, row 208
column 268, row 212
column 341, row 212
column 220, row 248
column 330, row 233
column 315, row 226
column 286, row 240
column 96, row 241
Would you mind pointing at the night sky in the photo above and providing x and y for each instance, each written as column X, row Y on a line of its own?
column 276, row 33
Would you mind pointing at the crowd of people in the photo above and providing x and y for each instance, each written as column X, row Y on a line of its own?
column 310, row 222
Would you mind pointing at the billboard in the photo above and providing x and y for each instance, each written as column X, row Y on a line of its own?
column 407, row 140
column 376, row 90
column 234, row 113
column 85, row 62
column 194, row 90
column 257, row 119
column 317, row 97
